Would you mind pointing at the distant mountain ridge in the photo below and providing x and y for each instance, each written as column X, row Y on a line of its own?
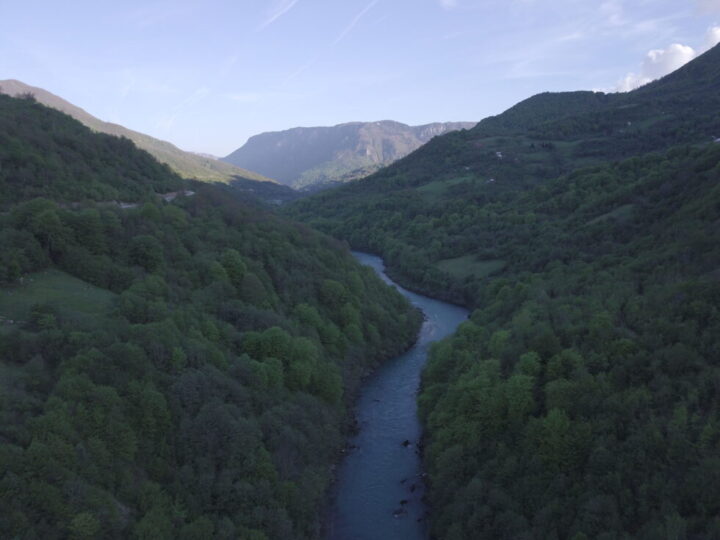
column 305, row 156
column 187, row 164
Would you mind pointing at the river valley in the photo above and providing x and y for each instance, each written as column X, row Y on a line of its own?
column 379, row 491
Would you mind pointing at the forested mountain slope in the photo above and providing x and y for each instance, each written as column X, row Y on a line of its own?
column 45, row 153
column 581, row 399
column 419, row 212
column 172, row 370
column 186, row 164
column 310, row 156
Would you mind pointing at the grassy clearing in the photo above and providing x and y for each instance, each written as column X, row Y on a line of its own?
column 620, row 214
column 73, row 298
column 439, row 187
column 469, row 265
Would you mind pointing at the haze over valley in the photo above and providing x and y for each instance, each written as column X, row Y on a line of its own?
column 306, row 157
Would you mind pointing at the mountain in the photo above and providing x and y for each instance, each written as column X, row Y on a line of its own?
column 537, row 140
column 44, row 153
column 186, row 164
column 182, row 366
column 579, row 401
column 302, row 157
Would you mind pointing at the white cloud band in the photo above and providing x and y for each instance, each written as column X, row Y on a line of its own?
column 661, row 62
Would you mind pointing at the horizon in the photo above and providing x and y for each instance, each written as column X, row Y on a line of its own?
column 174, row 71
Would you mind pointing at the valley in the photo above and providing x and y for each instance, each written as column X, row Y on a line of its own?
column 502, row 329
column 169, row 368
column 578, row 401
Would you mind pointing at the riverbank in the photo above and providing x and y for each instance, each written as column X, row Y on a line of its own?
column 379, row 489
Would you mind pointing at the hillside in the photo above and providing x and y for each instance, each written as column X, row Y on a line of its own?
column 580, row 398
column 45, row 153
column 303, row 157
column 186, row 164
column 418, row 212
column 171, row 369
column 579, row 401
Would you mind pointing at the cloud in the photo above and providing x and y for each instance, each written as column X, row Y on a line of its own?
column 448, row 4
column 168, row 122
column 279, row 9
column 250, row 97
column 349, row 28
column 613, row 12
column 709, row 5
column 353, row 23
column 658, row 63
column 661, row 62
column 712, row 37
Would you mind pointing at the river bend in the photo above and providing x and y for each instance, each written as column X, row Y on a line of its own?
column 379, row 490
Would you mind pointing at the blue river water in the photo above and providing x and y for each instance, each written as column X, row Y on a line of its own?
column 379, row 490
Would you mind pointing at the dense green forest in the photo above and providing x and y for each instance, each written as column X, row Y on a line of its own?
column 170, row 370
column 45, row 154
column 424, row 214
column 581, row 399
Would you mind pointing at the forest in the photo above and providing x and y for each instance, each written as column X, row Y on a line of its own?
column 185, row 368
column 581, row 399
column 172, row 369
column 428, row 212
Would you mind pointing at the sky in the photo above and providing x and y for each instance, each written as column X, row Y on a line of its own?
column 208, row 75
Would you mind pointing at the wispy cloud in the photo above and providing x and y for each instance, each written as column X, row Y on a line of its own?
column 278, row 10
column 195, row 97
column 349, row 28
column 448, row 4
column 613, row 12
column 134, row 81
column 251, row 97
column 342, row 35
column 299, row 71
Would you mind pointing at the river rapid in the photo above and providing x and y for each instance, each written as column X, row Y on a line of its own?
column 379, row 489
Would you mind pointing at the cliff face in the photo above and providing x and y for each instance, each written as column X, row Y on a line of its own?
column 301, row 157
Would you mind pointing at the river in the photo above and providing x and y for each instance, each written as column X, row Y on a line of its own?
column 379, row 489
